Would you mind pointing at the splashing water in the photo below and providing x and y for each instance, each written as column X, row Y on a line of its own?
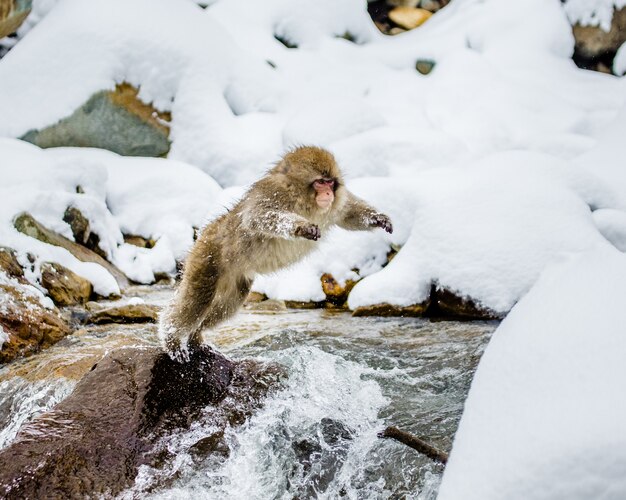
column 22, row 399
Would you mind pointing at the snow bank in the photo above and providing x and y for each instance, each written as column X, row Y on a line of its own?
column 612, row 224
column 157, row 199
column 545, row 414
column 233, row 113
column 487, row 231
column 606, row 158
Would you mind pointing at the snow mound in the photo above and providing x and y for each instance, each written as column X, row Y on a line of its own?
column 489, row 230
column 612, row 224
column 309, row 125
column 545, row 415
column 606, row 158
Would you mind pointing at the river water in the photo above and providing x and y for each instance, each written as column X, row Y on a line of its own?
column 348, row 378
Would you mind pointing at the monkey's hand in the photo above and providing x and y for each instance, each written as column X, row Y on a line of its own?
column 308, row 231
column 382, row 221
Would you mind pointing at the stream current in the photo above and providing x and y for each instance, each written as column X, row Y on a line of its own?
column 314, row 437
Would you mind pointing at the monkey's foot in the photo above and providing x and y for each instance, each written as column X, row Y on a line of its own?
column 177, row 350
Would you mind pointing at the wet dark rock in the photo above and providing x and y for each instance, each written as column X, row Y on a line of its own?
column 210, row 445
column 92, row 443
column 65, row 287
column 29, row 325
column 320, row 456
column 124, row 314
column 12, row 15
column 389, row 310
column 452, row 306
column 115, row 120
column 442, row 303
column 303, row 304
column 25, row 223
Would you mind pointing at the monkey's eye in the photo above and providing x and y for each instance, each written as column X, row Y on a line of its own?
column 320, row 183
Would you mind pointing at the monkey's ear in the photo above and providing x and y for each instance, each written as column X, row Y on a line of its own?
column 283, row 167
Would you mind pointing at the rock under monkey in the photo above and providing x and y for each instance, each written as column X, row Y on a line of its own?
column 274, row 225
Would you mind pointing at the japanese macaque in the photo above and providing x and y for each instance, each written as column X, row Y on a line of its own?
column 273, row 226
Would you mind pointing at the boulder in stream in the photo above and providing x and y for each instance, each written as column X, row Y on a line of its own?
column 64, row 286
column 127, row 313
column 93, row 442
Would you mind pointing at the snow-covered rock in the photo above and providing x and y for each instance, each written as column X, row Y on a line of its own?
column 155, row 198
column 487, row 231
column 545, row 415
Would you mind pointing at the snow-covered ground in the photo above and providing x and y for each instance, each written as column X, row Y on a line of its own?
column 545, row 415
column 500, row 162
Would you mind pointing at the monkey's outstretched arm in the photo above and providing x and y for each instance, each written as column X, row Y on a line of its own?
column 282, row 224
column 359, row 216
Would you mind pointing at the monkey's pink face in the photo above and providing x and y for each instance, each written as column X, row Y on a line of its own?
column 324, row 192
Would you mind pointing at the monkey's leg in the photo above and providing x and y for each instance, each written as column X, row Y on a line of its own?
column 229, row 297
column 182, row 319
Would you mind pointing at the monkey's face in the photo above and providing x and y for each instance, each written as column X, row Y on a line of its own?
column 324, row 192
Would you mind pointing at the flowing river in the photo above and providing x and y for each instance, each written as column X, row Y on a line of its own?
column 348, row 379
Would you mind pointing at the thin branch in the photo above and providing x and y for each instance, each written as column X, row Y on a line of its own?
column 416, row 443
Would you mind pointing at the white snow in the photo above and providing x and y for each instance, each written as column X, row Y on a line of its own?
column 612, row 224
column 545, row 415
column 505, row 159
column 619, row 63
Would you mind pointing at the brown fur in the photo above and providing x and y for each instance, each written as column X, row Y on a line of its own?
column 270, row 228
